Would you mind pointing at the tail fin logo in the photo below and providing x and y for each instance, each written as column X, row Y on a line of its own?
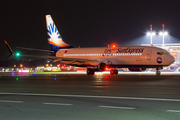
column 54, row 37
column 53, row 32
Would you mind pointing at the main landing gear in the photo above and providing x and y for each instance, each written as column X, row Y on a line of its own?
column 158, row 72
column 90, row 72
column 113, row 71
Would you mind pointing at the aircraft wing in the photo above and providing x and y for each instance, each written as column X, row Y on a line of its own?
column 59, row 58
column 32, row 49
column 49, row 57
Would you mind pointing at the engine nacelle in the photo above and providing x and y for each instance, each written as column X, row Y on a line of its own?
column 97, row 66
column 102, row 66
column 137, row 69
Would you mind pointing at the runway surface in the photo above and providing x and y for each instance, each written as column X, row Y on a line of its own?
column 66, row 96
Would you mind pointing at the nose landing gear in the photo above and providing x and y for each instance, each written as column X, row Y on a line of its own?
column 158, row 72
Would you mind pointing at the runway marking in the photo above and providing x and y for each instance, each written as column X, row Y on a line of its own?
column 11, row 101
column 56, row 104
column 89, row 96
column 177, row 111
column 128, row 108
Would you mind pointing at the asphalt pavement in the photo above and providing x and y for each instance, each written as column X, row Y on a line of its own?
column 81, row 97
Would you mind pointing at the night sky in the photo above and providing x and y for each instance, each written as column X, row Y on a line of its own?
column 87, row 23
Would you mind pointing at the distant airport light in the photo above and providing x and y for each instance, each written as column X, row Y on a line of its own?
column 153, row 33
column 59, row 65
column 23, row 71
column 161, row 33
column 149, row 33
column 165, row 33
column 21, row 65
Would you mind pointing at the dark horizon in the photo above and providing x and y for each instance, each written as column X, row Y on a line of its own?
column 86, row 24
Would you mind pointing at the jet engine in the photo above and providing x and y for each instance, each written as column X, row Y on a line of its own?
column 97, row 65
column 102, row 66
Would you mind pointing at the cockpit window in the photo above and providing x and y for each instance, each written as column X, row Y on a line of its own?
column 162, row 53
column 166, row 53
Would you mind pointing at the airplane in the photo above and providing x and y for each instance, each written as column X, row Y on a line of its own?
column 96, row 59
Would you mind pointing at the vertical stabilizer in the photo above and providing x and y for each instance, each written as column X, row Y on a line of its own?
column 54, row 37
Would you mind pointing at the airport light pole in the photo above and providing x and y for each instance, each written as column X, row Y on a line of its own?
column 163, row 33
column 151, row 33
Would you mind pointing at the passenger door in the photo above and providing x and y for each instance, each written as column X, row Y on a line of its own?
column 149, row 54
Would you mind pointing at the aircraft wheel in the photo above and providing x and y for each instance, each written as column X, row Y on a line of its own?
column 158, row 72
column 114, row 72
column 90, row 72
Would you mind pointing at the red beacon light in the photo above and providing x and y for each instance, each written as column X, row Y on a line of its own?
column 113, row 46
column 163, row 25
column 151, row 25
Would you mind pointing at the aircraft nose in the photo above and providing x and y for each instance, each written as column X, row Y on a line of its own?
column 172, row 59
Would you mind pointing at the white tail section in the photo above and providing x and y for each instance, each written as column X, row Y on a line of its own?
column 54, row 37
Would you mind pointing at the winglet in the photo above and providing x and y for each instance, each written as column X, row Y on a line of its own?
column 9, row 48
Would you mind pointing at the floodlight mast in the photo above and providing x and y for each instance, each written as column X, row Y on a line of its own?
column 163, row 33
column 151, row 33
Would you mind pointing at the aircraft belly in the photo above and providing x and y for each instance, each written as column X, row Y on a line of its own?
column 135, row 61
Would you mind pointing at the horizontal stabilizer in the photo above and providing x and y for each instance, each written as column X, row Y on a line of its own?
column 9, row 48
column 32, row 49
